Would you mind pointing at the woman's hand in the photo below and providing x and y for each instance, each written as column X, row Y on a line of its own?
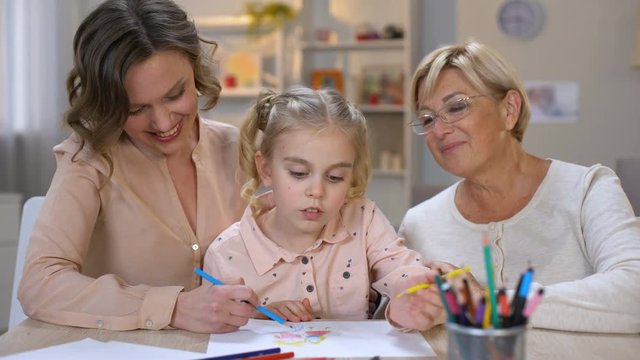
column 420, row 310
column 477, row 291
column 214, row 309
column 291, row 310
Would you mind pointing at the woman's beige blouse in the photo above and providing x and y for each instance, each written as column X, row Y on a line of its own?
column 115, row 253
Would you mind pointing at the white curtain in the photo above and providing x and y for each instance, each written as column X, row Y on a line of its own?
column 35, row 57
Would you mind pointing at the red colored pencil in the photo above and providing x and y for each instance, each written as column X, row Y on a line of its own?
column 286, row 355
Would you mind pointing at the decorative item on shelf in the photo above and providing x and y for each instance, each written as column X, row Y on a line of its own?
column 366, row 31
column 267, row 17
column 240, row 69
column 325, row 35
column 382, row 85
column 327, row 78
column 392, row 31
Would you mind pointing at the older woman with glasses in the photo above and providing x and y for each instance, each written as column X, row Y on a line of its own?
column 573, row 224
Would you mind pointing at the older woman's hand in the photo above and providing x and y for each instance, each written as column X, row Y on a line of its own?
column 421, row 310
column 477, row 291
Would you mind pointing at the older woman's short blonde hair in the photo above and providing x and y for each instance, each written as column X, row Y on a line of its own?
column 483, row 67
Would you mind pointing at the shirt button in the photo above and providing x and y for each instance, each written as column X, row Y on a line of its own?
column 100, row 323
column 148, row 324
column 346, row 275
column 309, row 288
column 195, row 247
column 492, row 226
column 305, row 260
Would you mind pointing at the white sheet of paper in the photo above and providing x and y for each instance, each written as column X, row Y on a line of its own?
column 323, row 338
column 98, row 350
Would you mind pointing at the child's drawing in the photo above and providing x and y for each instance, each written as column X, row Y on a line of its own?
column 300, row 338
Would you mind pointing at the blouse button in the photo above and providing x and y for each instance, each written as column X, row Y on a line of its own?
column 148, row 324
column 305, row 260
column 100, row 323
column 309, row 288
column 195, row 247
column 492, row 227
column 346, row 275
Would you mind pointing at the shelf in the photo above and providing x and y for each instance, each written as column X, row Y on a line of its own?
column 386, row 108
column 355, row 45
column 230, row 23
column 240, row 92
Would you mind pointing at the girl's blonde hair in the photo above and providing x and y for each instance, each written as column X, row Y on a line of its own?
column 483, row 67
column 301, row 108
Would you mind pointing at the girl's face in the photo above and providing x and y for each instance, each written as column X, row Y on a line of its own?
column 310, row 173
column 163, row 104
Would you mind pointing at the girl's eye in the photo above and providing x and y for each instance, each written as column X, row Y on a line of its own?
column 297, row 174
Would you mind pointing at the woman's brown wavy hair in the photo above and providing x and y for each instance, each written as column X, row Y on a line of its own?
column 115, row 36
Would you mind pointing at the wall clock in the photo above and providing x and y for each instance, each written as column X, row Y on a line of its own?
column 521, row 18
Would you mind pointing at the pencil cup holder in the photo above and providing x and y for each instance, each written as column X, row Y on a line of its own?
column 465, row 343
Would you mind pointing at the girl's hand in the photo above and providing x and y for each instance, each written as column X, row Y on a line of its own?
column 214, row 309
column 291, row 310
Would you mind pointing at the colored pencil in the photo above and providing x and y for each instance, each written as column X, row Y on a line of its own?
column 450, row 275
column 466, row 294
column 260, row 308
column 517, row 318
column 285, row 355
column 490, row 281
column 245, row 354
column 533, row 304
column 444, row 300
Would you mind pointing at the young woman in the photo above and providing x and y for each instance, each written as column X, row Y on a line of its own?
column 142, row 185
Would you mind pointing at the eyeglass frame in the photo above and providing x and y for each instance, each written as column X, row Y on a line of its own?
column 418, row 128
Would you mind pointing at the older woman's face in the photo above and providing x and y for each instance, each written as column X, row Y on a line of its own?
column 467, row 146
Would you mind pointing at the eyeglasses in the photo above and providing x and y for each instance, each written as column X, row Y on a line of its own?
column 448, row 114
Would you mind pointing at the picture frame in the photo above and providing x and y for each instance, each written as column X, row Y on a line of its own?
column 327, row 78
column 382, row 85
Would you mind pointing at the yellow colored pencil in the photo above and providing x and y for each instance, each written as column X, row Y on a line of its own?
column 456, row 272
column 449, row 275
column 414, row 289
column 486, row 322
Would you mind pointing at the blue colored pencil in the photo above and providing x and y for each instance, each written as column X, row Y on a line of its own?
column 260, row 308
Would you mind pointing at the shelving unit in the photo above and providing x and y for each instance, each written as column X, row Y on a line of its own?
column 390, row 137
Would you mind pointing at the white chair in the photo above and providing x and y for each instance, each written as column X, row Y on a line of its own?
column 30, row 213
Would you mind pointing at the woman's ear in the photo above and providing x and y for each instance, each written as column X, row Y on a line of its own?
column 264, row 170
column 512, row 103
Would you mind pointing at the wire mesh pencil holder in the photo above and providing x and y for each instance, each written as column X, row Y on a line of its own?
column 466, row 343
